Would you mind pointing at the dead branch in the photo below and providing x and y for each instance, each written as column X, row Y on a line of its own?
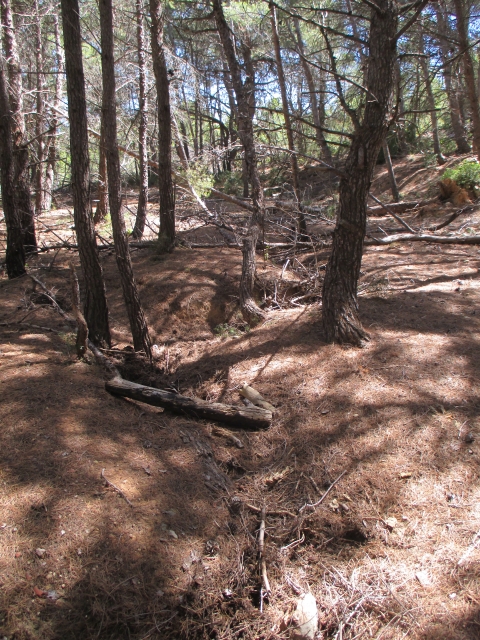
column 316, row 504
column 255, row 398
column 399, row 207
column 389, row 210
column 423, row 237
column 114, row 486
column 51, row 296
column 245, row 417
column 265, row 584
column 271, row 513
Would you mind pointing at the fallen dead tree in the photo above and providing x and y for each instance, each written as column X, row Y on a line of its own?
column 245, row 417
column 423, row 237
column 399, row 207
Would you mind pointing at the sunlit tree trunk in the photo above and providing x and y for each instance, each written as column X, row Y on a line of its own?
column 469, row 72
column 20, row 151
column 141, row 216
column 317, row 105
column 40, row 116
column 245, row 93
column 138, row 322
column 95, row 305
column 102, row 193
column 165, row 181
column 302, row 225
column 458, row 126
column 430, row 102
column 52, row 136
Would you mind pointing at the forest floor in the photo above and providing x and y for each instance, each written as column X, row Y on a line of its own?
column 390, row 553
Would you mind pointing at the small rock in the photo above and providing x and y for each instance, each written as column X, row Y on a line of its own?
column 305, row 618
column 404, row 475
column 391, row 523
column 40, row 552
column 452, row 596
column 172, row 534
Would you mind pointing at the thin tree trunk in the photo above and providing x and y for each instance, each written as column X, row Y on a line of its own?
column 15, row 253
column 430, row 102
column 469, row 72
column 340, row 307
column 317, row 106
column 138, row 323
column 40, row 116
column 95, row 306
column 20, row 151
column 400, row 128
column 391, row 172
column 52, row 137
column 165, row 181
column 245, row 95
column 141, row 216
column 458, row 125
column 102, row 194
column 302, row 225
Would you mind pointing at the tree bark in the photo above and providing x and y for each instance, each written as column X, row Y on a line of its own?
column 20, row 151
column 95, row 305
column 317, row 106
column 469, row 72
column 302, row 225
column 246, row 417
column 40, row 116
column 245, row 96
column 52, row 137
column 141, row 216
column 138, row 323
column 102, row 194
column 391, row 172
column 458, row 125
column 165, row 181
column 430, row 102
column 340, row 307
column 15, row 253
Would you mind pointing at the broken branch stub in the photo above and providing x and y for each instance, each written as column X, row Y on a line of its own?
column 255, row 398
column 246, row 417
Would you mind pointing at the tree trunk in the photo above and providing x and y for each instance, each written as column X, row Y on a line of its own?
column 21, row 160
column 39, row 117
column 458, row 125
column 15, row 253
column 340, row 307
column 52, row 137
column 245, row 417
column 102, row 194
column 141, row 216
column 95, row 306
column 165, row 181
column 138, row 323
column 469, row 72
column 430, row 102
column 302, row 225
column 317, row 106
column 391, row 172
column 245, row 95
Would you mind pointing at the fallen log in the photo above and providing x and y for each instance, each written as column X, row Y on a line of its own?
column 246, row 417
column 399, row 207
column 423, row 237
